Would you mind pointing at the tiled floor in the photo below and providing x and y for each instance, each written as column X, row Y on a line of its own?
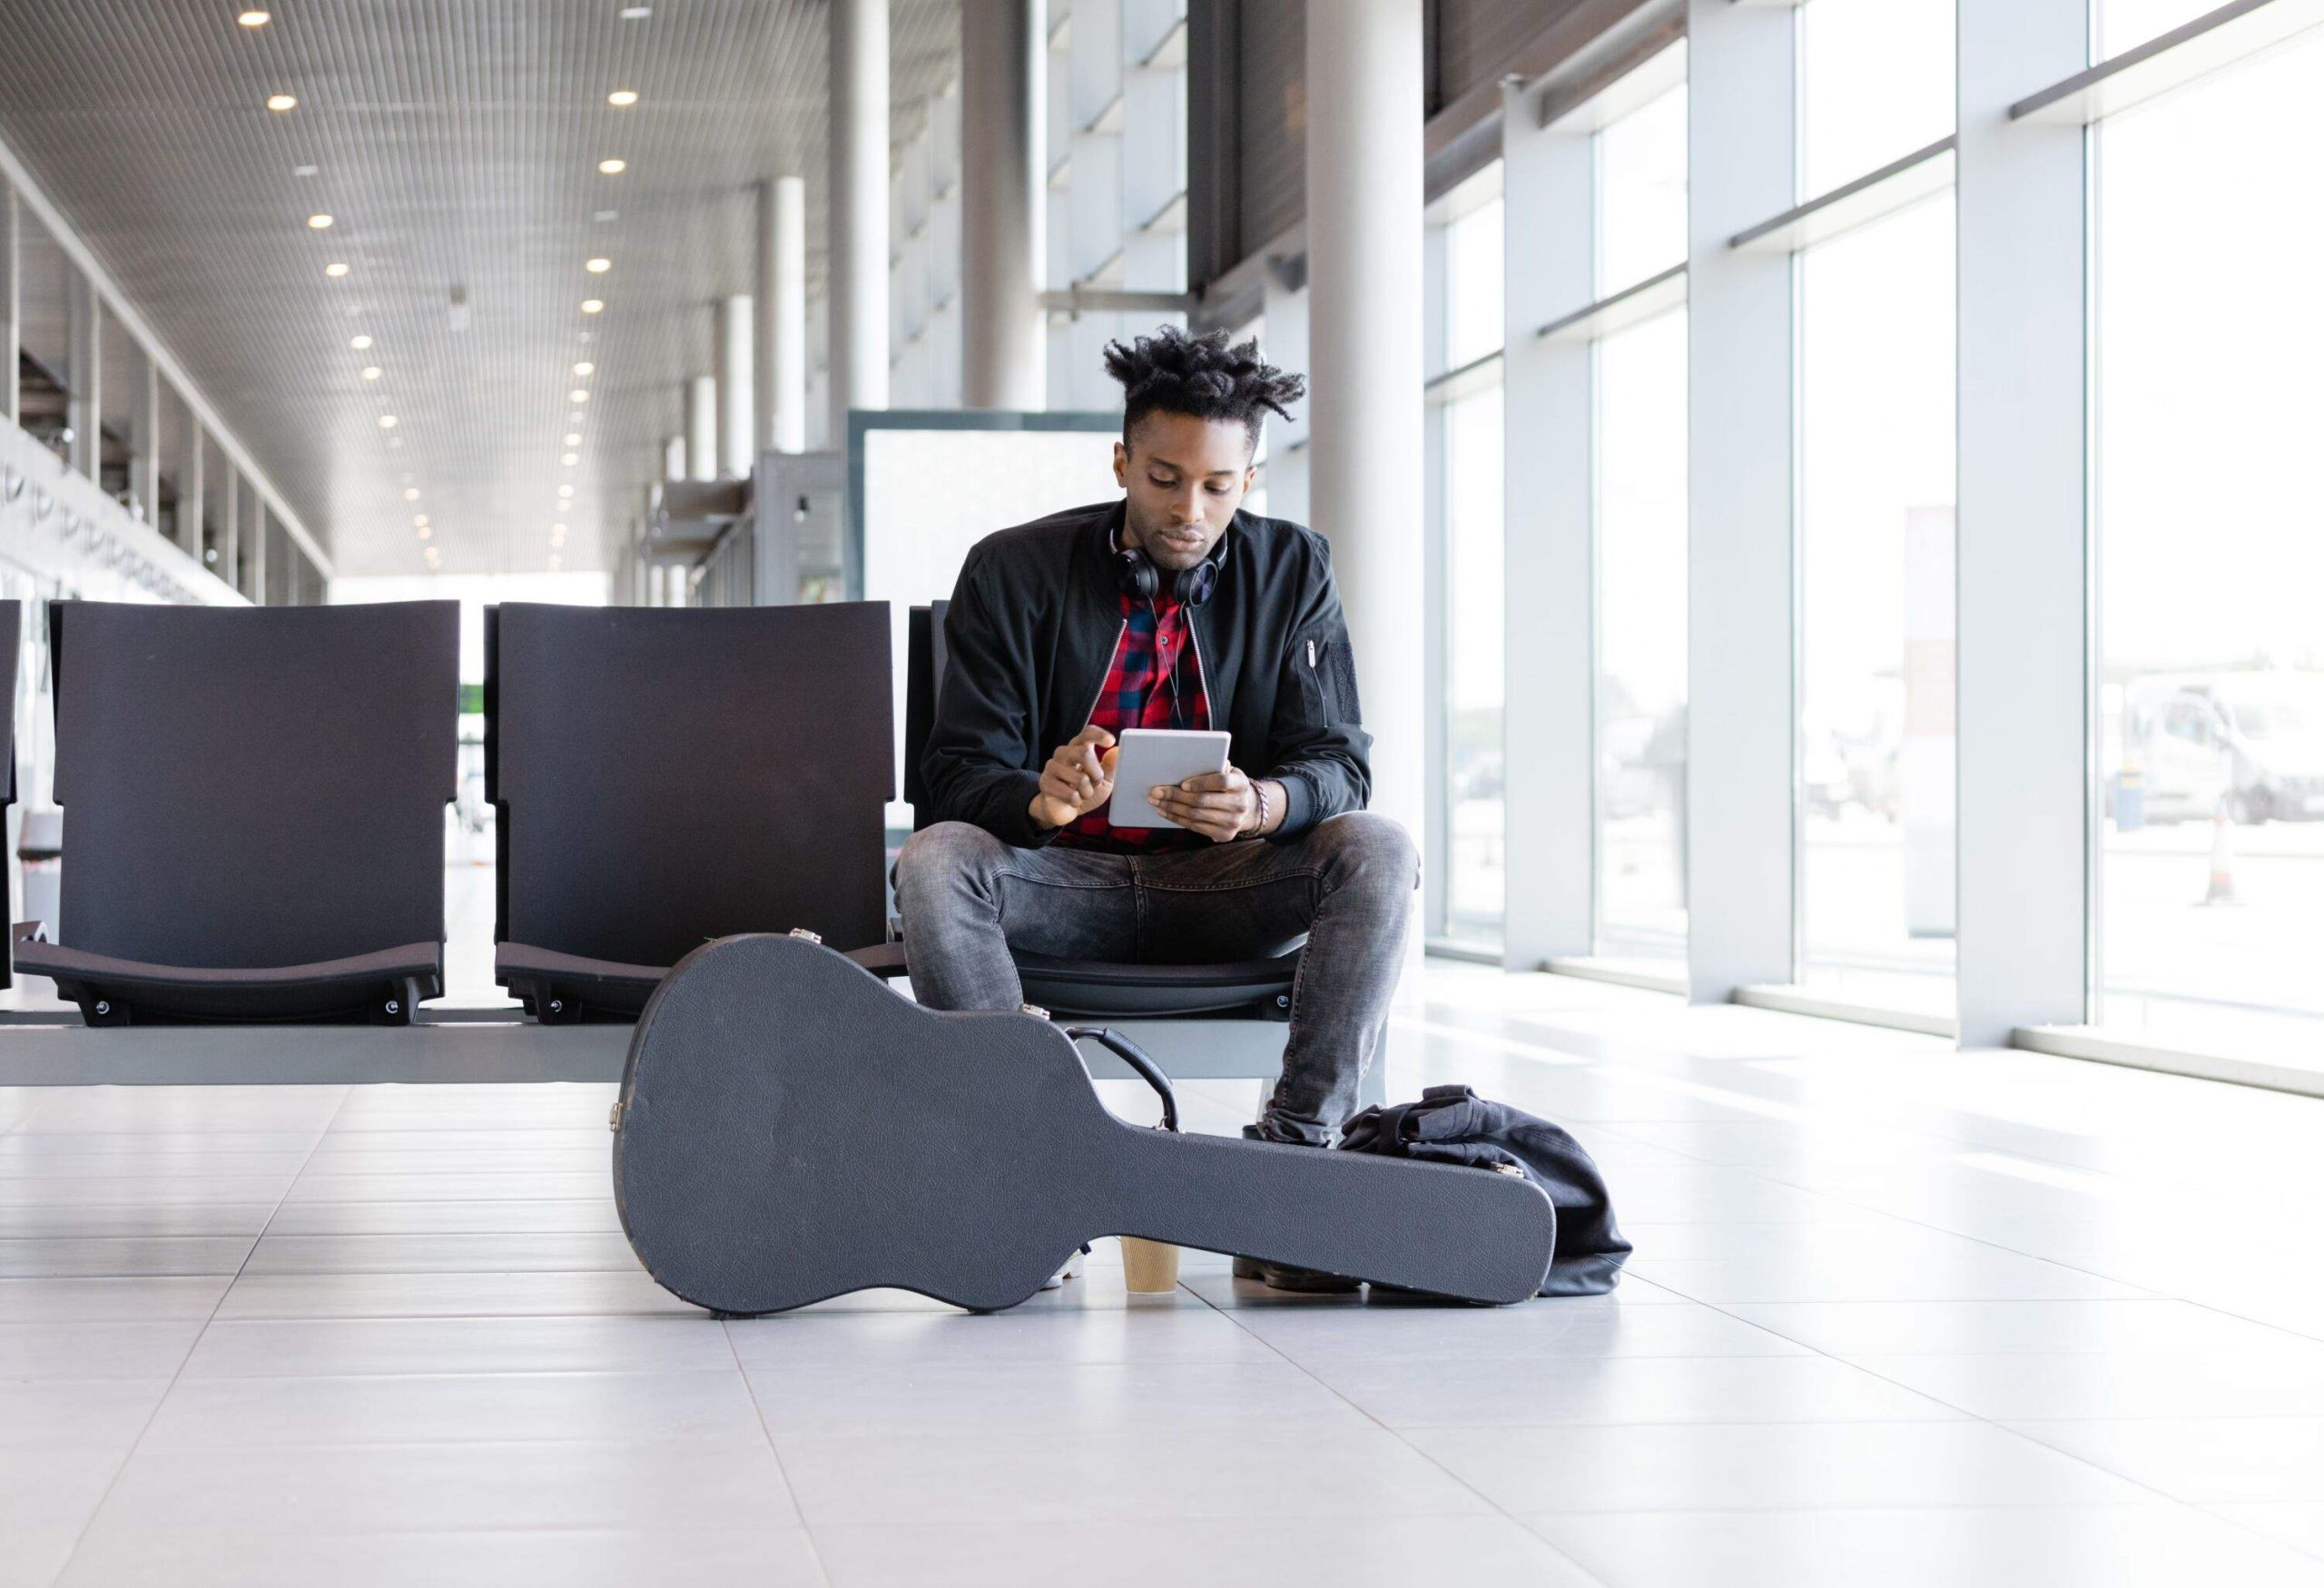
column 1897, row 1315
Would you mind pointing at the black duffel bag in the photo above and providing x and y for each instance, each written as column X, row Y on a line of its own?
column 1451, row 1124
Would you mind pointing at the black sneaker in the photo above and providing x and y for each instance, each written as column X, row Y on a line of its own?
column 1291, row 1277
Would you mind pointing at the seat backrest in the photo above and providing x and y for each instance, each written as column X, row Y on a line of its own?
column 668, row 775
column 247, row 787
column 924, row 676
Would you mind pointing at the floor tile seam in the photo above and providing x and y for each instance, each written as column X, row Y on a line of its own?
column 1936, row 1229
column 766, row 1433
column 178, row 1374
column 1490, row 1505
column 2211, row 1508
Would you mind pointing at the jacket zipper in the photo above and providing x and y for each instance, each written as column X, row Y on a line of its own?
column 1090, row 716
column 1202, row 668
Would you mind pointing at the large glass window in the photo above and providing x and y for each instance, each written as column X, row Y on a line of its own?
column 1467, row 414
column 1476, row 785
column 2210, row 703
column 1641, row 561
column 1641, row 166
column 1876, row 84
column 1875, row 558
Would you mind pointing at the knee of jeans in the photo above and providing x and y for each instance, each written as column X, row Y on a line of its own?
column 944, row 852
column 1371, row 849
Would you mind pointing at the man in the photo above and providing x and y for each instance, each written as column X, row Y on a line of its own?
column 1169, row 608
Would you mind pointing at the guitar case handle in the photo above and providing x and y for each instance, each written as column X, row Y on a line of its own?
column 1137, row 1058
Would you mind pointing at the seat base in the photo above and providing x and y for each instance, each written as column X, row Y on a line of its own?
column 1098, row 989
column 564, row 989
column 379, row 988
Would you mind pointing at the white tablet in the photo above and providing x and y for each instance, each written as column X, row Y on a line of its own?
column 1154, row 756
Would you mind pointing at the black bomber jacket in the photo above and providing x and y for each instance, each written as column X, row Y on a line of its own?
column 1032, row 628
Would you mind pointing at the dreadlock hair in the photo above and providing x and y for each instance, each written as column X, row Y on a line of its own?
column 1172, row 372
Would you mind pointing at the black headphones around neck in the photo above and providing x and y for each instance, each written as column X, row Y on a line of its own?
column 1141, row 580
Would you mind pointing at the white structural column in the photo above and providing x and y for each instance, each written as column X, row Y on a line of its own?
column 1740, row 869
column 233, row 508
column 12, row 309
column 737, row 385
column 2022, row 558
column 85, row 364
column 1001, row 328
column 254, row 533
column 781, row 364
column 858, row 270
column 1365, row 118
column 1551, row 663
column 193, row 501
column 145, row 441
column 702, row 428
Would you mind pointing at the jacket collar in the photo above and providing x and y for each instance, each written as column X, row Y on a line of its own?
column 1097, row 543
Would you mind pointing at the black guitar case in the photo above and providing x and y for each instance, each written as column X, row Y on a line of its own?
column 790, row 1128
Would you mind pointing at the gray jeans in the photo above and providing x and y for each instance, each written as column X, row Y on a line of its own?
column 968, row 898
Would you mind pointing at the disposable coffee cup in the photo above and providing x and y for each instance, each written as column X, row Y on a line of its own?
column 1149, row 1267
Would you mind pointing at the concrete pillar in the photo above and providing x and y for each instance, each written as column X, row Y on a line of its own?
column 193, row 490
column 145, row 441
column 737, row 389
column 782, row 365
column 2021, row 611
column 1000, row 350
column 1550, row 536
column 858, row 270
column 702, row 428
column 1364, row 196
column 1742, row 730
column 674, row 457
column 256, row 537
column 12, row 306
column 229, row 565
column 84, row 407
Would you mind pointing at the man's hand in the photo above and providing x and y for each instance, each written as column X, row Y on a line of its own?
column 1220, row 805
column 1077, row 779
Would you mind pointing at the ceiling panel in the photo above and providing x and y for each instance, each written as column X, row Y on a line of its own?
column 456, row 144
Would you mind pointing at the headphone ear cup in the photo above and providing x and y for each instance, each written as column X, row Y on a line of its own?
column 1135, row 575
column 1196, row 583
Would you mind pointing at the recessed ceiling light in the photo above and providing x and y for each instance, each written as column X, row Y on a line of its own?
column 585, row 368
column 387, row 421
column 282, row 102
column 613, row 167
column 371, row 371
column 426, row 532
column 598, row 267
column 576, row 395
column 304, row 170
column 421, row 520
column 318, row 222
column 593, row 305
column 634, row 13
column 359, row 342
column 556, row 528
column 574, row 439
column 555, row 562
column 335, row 269
column 411, row 493
column 622, row 98
column 570, row 458
column 565, row 490
column 254, row 18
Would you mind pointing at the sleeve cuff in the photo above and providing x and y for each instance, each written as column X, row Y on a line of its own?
column 1298, row 807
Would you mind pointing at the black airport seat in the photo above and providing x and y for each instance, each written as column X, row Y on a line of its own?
column 665, row 776
column 253, row 811
column 1082, row 989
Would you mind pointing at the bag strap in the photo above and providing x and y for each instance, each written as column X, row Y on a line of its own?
column 1137, row 1058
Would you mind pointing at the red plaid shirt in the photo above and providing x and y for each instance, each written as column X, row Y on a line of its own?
column 1141, row 692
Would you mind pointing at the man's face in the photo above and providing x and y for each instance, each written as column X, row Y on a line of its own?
column 1185, row 478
